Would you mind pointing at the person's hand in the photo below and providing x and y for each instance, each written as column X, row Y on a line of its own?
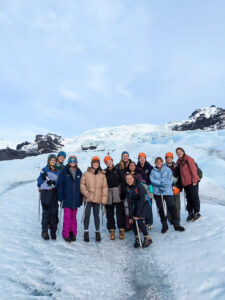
column 194, row 183
column 39, row 190
column 136, row 218
column 131, row 221
column 44, row 175
column 50, row 182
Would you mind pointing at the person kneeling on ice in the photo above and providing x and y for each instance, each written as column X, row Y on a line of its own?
column 47, row 187
column 136, row 194
column 115, row 201
column 161, row 178
column 70, row 197
column 94, row 188
column 61, row 156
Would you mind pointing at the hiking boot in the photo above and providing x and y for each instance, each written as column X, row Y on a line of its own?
column 98, row 236
column 122, row 234
column 179, row 228
column 67, row 239
column 190, row 217
column 147, row 241
column 53, row 235
column 136, row 242
column 86, row 236
column 196, row 216
column 112, row 235
column 45, row 235
column 164, row 228
column 72, row 237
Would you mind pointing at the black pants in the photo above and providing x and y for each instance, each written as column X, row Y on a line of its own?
column 171, row 206
column 49, row 203
column 120, row 215
column 96, row 208
column 193, row 202
column 141, row 225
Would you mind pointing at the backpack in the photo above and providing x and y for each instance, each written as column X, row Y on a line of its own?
column 199, row 171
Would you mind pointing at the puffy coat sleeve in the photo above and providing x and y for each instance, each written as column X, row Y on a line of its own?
column 193, row 169
column 167, row 177
column 104, row 191
column 40, row 180
column 60, row 186
column 154, row 181
column 83, row 185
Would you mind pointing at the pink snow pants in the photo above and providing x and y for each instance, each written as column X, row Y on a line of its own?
column 69, row 222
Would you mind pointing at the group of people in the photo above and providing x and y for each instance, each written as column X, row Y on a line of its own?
column 124, row 192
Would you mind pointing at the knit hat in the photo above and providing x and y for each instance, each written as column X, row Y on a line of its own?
column 107, row 158
column 50, row 157
column 61, row 153
column 95, row 159
column 72, row 159
column 142, row 154
column 124, row 152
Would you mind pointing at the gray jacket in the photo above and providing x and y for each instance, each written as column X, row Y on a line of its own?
column 114, row 195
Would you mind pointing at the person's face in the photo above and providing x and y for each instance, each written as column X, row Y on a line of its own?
column 61, row 158
column 180, row 153
column 129, row 179
column 52, row 162
column 95, row 165
column 142, row 160
column 169, row 160
column 132, row 167
column 159, row 164
column 109, row 163
column 125, row 157
column 73, row 165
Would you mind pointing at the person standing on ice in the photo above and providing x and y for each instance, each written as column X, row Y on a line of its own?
column 94, row 188
column 115, row 202
column 61, row 156
column 145, row 168
column 46, row 183
column 69, row 195
column 136, row 202
column 161, row 178
column 190, row 181
column 123, row 166
column 177, row 186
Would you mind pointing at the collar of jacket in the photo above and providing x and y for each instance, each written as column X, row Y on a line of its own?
column 91, row 170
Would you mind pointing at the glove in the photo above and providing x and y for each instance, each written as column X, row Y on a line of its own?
column 50, row 182
column 44, row 175
column 162, row 185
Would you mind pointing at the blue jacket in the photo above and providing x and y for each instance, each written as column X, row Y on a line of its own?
column 52, row 175
column 69, row 189
column 162, row 181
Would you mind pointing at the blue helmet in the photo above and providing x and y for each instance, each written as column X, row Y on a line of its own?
column 61, row 153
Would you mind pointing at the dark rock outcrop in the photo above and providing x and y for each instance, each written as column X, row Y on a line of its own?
column 43, row 144
column 210, row 118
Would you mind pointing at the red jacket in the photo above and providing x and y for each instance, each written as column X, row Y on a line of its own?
column 188, row 170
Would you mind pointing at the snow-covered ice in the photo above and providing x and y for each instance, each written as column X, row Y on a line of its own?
column 176, row 266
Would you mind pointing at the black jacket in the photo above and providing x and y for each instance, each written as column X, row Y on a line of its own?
column 145, row 171
column 136, row 197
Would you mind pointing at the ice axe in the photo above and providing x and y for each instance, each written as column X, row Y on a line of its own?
column 138, row 232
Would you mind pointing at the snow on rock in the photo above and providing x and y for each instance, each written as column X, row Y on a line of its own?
column 209, row 118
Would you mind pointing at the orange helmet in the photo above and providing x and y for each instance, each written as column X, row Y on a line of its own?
column 142, row 154
column 95, row 158
column 176, row 191
column 169, row 154
column 107, row 158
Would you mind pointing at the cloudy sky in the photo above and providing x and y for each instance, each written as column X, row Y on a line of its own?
column 69, row 66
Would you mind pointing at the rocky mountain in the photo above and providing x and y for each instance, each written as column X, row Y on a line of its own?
column 209, row 118
column 43, row 144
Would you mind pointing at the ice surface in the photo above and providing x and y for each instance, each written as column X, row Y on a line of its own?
column 176, row 266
